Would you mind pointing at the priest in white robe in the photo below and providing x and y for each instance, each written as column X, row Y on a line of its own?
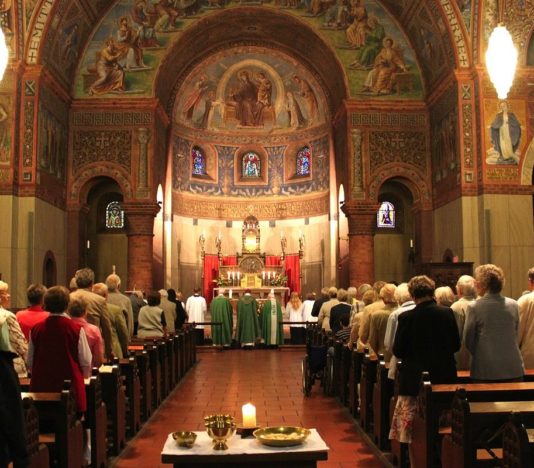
column 196, row 308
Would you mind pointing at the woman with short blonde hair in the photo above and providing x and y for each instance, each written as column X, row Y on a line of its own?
column 295, row 313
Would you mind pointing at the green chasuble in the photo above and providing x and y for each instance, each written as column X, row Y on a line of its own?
column 271, row 319
column 248, row 327
column 221, row 311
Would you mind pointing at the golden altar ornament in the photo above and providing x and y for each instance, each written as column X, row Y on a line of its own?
column 282, row 436
column 220, row 427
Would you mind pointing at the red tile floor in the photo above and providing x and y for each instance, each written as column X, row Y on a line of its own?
column 222, row 381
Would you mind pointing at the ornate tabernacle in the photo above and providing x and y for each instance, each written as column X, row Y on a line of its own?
column 252, row 269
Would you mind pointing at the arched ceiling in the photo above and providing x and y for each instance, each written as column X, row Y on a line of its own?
column 251, row 26
column 58, row 31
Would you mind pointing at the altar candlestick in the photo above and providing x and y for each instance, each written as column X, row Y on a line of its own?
column 411, row 243
column 238, row 275
column 263, row 275
column 249, row 415
column 230, row 294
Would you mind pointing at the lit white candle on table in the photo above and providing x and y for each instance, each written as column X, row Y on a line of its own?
column 249, row 415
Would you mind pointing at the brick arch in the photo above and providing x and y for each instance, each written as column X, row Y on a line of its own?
column 90, row 175
column 407, row 175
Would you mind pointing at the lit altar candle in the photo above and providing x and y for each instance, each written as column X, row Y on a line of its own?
column 230, row 294
column 229, row 275
column 233, row 275
column 411, row 243
column 249, row 415
column 263, row 275
column 238, row 275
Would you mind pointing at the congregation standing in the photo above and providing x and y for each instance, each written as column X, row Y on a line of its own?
column 62, row 334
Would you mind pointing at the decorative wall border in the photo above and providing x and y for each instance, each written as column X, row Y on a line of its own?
column 231, row 208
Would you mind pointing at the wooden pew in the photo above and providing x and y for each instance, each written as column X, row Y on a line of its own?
column 382, row 393
column 57, row 414
column 37, row 452
column 336, row 368
column 434, row 399
column 145, row 380
column 367, row 382
column 114, row 396
column 128, row 369
column 356, row 359
column 345, row 369
column 96, row 420
column 517, row 444
column 477, row 430
column 95, row 417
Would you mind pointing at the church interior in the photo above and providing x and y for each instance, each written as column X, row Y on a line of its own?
column 271, row 145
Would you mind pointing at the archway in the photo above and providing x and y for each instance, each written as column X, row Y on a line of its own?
column 49, row 270
column 394, row 246
column 106, row 241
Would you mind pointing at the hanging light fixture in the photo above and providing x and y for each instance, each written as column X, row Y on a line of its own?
column 501, row 60
column 501, row 56
column 4, row 54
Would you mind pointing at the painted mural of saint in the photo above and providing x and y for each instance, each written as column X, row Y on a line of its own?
column 110, row 73
column 128, row 45
column 195, row 96
column 250, row 97
column 389, row 61
column 306, row 92
column 505, row 133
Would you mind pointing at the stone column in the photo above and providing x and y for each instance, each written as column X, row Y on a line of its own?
column 424, row 235
column 76, row 238
column 140, row 232
column 362, row 222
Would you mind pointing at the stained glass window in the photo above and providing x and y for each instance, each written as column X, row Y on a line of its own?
column 251, row 165
column 114, row 216
column 385, row 217
column 303, row 161
column 199, row 161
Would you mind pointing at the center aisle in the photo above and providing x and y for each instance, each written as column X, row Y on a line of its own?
column 221, row 382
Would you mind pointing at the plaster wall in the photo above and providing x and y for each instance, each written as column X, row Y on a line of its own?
column 31, row 227
column 489, row 229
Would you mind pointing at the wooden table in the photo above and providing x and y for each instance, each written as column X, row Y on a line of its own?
column 245, row 452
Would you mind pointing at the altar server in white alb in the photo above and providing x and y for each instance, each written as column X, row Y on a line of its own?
column 196, row 308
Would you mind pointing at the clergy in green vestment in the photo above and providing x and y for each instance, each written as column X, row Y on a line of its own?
column 248, row 327
column 271, row 322
column 222, row 312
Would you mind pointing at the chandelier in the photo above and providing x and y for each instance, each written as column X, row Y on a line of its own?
column 501, row 60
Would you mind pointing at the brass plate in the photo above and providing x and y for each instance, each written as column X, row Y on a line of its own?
column 282, row 436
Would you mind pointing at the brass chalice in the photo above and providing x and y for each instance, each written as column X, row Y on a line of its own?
column 220, row 427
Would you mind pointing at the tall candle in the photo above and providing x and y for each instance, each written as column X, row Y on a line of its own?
column 249, row 415
column 411, row 243
column 238, row 275
column 230, row 294
column 263, row 275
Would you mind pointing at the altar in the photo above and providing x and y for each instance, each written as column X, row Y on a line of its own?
column 251, row 269
column 281, row 293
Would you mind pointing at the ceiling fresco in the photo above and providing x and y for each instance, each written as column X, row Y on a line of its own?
column 123, row 55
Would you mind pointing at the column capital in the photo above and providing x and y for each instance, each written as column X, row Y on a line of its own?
column 361, row 217
column 140, row 217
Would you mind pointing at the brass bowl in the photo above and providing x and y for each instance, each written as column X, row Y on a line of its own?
column 184, row 438
column 282, row 436
column 220, row 427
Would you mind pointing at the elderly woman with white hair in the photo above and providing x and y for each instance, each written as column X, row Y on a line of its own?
column 11, row 336
column 466, row 292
